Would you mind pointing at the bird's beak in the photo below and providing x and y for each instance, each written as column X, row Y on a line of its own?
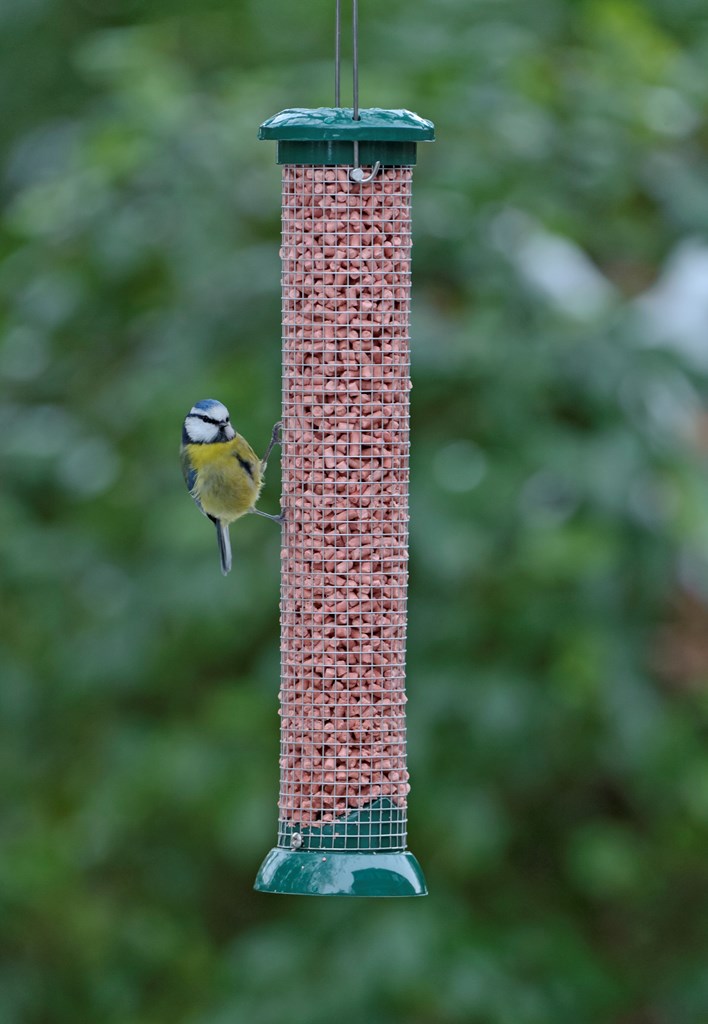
column 229, row 432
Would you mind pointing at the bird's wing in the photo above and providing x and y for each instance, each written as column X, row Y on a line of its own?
column 246, row 456
column 190, row 478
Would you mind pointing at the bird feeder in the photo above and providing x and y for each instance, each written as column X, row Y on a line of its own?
column 346, row 248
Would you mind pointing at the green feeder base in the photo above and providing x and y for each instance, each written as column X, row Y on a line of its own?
column 341, row 873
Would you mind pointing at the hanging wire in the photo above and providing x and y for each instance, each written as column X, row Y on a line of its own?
column 356, row 174
column 355, row 59
column 338, row 55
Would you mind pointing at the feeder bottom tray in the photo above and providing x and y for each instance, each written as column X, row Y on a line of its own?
column 352, row 857
column 340, row 873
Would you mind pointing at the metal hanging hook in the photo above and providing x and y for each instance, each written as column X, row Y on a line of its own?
column 356, row 174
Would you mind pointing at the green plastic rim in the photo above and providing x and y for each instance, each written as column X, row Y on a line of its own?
column 339, row 873
column 330, row 154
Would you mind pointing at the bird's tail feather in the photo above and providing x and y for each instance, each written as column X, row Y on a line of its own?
column 224, row 541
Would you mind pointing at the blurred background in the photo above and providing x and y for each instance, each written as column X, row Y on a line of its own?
column 558, row 660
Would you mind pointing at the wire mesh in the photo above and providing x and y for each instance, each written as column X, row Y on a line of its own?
column 346, row 380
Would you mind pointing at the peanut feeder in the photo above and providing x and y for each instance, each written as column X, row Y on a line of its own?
column 346, row 246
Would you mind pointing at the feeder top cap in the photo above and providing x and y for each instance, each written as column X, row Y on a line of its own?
column 332, row 123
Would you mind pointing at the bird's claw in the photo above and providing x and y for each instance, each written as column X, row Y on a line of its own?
column 275, row 438
column 266, row 515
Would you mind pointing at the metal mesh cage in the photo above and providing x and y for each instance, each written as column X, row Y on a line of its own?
column 346, row 304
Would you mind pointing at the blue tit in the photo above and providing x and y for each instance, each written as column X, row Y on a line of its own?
column 222, row 472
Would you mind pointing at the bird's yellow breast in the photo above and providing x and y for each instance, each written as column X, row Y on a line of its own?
column 228, row 479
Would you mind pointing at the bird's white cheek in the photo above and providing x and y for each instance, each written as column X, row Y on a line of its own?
column 199, row 431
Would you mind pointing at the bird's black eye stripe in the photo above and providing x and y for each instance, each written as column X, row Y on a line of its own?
column 208, row 419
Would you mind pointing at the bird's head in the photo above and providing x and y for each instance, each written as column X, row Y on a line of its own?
column 206, row 423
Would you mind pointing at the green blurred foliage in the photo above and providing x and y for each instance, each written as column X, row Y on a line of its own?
column 559, row 530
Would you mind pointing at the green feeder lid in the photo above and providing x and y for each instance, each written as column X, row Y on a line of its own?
column 336, row 123
column 327, row 135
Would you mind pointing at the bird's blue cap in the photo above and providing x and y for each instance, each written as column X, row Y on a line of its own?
column 206, row 403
